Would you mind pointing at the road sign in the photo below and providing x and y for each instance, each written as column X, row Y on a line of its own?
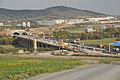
column 117, row 43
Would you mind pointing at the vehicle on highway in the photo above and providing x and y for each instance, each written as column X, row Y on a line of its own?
column 100, row 45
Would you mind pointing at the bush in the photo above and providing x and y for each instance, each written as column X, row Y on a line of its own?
column 105, row 62
column 2, row 50
column 8, row 50
column 6, row 40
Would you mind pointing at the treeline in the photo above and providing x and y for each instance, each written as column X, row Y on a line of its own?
column 4, row 50
column 107, row 33
column 95, row 35
column 6, row 40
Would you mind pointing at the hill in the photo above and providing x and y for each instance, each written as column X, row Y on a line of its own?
column 52, row 12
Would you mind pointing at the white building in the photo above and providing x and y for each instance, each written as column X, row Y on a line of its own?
column 75, row 21
column 24, row 24
column 101, row 18
column 89, row 30
column 28, row 24
column 50, row 22
column 19, row 25
column 61, row 21
column 1, row 24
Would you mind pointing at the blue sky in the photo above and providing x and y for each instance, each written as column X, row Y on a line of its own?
column 103, row 6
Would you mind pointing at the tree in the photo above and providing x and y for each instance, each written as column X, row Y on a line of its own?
column 83, row 36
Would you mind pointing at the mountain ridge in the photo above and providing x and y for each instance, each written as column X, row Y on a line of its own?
column 51, row 12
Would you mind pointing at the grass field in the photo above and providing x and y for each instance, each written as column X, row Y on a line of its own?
column 7, row 46
column 104, row 41
column 20, row 68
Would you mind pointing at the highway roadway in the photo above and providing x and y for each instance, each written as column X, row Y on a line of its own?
column 91, row 72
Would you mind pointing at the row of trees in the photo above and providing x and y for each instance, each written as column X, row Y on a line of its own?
column 6, row 40
column 15, row 50
column 96, row 35
column 83, row 36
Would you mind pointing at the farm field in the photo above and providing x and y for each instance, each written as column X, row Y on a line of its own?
column 12, row 68
column 104, row 41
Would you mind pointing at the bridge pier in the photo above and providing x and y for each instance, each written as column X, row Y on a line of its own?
column 29, row 43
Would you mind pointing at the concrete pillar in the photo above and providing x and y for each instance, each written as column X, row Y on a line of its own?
column 35, row 44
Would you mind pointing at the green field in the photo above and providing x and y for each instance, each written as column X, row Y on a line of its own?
column 20, row 68
column 104, row 41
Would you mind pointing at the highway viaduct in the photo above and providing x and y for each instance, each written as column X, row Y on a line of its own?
column 28, row 42
column 26, row 39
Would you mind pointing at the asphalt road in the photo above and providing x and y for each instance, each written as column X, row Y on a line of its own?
column 91, row 72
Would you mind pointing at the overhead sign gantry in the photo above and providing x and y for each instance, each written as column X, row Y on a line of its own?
column 117, row 43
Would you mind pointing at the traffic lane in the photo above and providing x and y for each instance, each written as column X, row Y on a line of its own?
column 92, row 72
column 64, row 73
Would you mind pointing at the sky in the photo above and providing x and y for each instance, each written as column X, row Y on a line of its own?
column 103, row 6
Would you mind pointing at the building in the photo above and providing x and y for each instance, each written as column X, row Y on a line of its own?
column 101, row 19
column 1, row 24
column 50, row 22
column 74, row 21
column 26, row 24
column 61, row 21
column 89, row 30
